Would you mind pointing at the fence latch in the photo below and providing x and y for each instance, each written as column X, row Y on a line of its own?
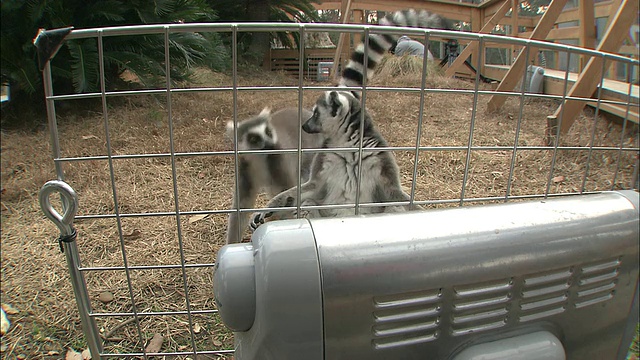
column 64, row 222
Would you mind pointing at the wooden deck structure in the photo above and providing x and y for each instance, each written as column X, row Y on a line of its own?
column 559, row 23
column 612, row 90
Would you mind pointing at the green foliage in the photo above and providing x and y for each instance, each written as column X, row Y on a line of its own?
column 255, row 44
column 296, row 11
column 76, row 67
column 84, row 64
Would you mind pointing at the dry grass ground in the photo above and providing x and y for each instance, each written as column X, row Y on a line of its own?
column 34, row 275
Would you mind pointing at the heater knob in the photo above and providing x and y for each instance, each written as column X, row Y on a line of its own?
column 234, row 286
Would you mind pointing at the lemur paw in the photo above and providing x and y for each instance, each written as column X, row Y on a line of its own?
column 258, row 219
column 303, row 214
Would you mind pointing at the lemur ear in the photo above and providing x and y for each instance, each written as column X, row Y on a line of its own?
column 334, row 101
column 266, row 112
column 229, row 130
column 333, row 97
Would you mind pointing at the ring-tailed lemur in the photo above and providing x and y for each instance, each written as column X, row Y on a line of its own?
column 334, row 175
column 379, row 44
column 337, row 116
column 272, row 173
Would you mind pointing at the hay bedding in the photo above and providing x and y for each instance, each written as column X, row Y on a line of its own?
column 34, row 275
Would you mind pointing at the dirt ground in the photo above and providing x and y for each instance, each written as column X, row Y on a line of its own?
column 35, row 280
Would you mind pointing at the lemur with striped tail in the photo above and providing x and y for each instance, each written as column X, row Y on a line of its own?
column 270, row 173
column 339, row 116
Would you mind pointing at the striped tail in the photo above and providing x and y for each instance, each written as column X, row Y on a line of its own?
column 379, row 44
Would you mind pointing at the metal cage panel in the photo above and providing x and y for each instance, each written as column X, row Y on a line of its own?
column 189, row 316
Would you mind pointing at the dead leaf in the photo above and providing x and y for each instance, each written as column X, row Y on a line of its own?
column 73, row 355
column 105, row 297
column 195, row 218
column 87, row 137
column 558, row 179
column 86, row 354
column 155, row 344
column 52, row 353
column 4, row 323
column 9, row 309
column 134, row 235
column 217, row 342
column 196, row 328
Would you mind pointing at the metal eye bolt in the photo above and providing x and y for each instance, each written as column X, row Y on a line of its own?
column 69, row 197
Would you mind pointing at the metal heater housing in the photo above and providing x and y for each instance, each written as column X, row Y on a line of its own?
column 503, row 281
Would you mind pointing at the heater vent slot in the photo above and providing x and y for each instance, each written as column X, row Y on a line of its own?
column 480, row 307
column 544, row 295
column 406, row 319
column 597, row 283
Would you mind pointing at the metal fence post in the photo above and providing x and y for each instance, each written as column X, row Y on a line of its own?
column 48, row 43
column 68, row 246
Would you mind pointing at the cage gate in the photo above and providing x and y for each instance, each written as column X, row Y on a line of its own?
column 185, row 314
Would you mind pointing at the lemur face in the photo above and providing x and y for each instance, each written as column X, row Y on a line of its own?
column 255, row 133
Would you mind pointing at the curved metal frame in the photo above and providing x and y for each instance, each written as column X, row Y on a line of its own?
column 70, row 201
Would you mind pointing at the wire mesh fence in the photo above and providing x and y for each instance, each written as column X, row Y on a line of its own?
column 154, row 175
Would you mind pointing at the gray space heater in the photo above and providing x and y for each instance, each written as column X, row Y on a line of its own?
column 546, row 279
column 534, row 81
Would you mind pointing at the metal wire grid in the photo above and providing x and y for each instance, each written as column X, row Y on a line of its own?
column 93, row 337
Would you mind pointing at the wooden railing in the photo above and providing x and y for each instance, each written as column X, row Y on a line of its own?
column 573, row 26
column 477, row 16
column 288, row 61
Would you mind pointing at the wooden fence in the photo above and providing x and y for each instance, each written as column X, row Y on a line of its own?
column 603, row 25
column 288, row 61
column 580, row 25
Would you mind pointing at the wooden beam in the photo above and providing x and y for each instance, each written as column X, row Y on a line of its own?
column 615, row 4
column 556, row 87
column 515, row 6
column 618, row 110
column 476, row 27
column 569, row 32
column 603, row 9
column 600, row 10
column 539, row 33
column 476, row 20
column 527, row 22
column 629, row 50
column 493, row 8
column 589, row 79
column 473, row 45
column 554, row 84
column 587, row 34
column 344, row 17
column 358, row 18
